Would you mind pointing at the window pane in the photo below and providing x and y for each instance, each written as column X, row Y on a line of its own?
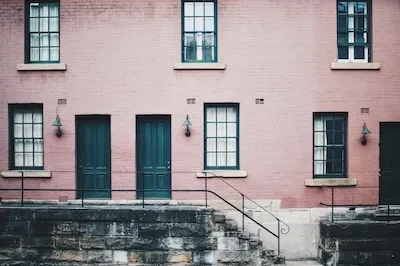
column 19, row 159
column 360, row 38
column 221, row 130
column 38, row 145
column 211, row 114
column 37, row 131
column 231, row 114
column 361, row 8
column 44, row 24
column 209, row 9
column 319, row 168
column 54, row 10
column 221, row 159
column 211, row 159
column 231, row 144
column 34, row 40
column 18, row 131
column 199, row 9
column 211, row 144
column 221, row 145
column 54, row 39
column 17, row 117
column 209, row 24
column 18, row 145
column 342, row 23
column 34, row 10
column 34, row 54
column 319, row 138
column 339, row 123
column 359, row 52
column 189, row 24
column 38, row 159
column 28, row 145
column 34, row 25
column 28, row 117
column 44, row 10
column 231, row 159
column 28, row 159
column 221, row 114
column 27, row 130
column 44, row 54
column 199, row 24
column 189, row 9
column 54, row 54
column 343, row 38
column 231, row 129
column 343, row 52
column 37, row 118
column 44, row 39
column 342, row 7
column 53, row 24
column 211, row 130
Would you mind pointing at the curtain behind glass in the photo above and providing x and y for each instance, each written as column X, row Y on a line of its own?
column 320, row 149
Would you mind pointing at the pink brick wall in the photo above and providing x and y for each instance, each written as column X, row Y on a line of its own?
column 120, row 57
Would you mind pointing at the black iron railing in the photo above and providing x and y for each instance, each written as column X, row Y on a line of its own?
column 80, row 193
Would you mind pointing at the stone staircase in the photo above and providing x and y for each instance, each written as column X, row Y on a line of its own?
column 129, row 235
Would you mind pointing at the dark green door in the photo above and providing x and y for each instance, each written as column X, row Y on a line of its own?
column 389, row 162
column 153, row 156
column 93, row 155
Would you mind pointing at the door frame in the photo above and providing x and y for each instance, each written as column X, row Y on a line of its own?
column 77, row 181
column 138, row 117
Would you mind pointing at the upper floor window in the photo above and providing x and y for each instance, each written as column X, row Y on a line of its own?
column 26, row 136
column 199, row 38
column 221, row 138
column 353, row 31
column 42, row 31
column 330, row 144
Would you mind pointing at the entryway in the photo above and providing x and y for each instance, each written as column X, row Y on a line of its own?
column 389, row 163
column 93, row 155
column 153, row 156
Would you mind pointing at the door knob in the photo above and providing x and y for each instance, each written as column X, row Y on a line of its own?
column 168, row 165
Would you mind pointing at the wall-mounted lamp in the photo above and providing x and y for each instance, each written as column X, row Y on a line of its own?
column 365, row 131
column 187, row 123
column 57, row 123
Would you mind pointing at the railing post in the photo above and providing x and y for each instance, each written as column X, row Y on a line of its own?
column 279, row 237
column 142, row 189
column 22, row 188
column 205, row 188
column 333, row 200
column 388, row 213
column 82, row 189
column 242, row 212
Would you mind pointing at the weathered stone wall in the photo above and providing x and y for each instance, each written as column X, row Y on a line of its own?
column 360, row 242
column 159, row 235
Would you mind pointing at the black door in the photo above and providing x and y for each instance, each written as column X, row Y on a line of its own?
column 93, row 155
column 153, row 156
column 389, row 163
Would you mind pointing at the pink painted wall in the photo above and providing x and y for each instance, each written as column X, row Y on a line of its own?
column 120, row 57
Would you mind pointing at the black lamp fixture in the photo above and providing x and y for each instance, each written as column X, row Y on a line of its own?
column 187, row 123
column 365, row 131
column 57, row 123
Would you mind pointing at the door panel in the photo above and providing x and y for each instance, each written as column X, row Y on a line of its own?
column 93, row 155
column 389, row 163
column 153, row 155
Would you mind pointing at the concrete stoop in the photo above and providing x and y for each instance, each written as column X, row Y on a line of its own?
column 157, row 235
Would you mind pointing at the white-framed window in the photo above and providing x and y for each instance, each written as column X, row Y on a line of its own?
column 353, row 31
column 221, row 136
column 26, row 136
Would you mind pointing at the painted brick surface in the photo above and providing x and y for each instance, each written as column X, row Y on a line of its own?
column 120, row 57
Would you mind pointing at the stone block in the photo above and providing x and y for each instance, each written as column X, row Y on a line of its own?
column 9, row 241
column 232, row 243
column 37, row 242
column 204, row 257
column 124, row 229
column 42, row 228
column 227, row 256
column 68, row 228
column 67, row 243
column 130, row 243
column 99, row 256
column 15, row 228
column 120, row 256
column 92, row 242
column 153, row 230
column 189, row 229
column 97, row 228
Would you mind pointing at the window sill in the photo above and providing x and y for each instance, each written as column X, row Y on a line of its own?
column 222, row 173
column 27, row 174
column 355, row 66
column 199, row 66
column 40, row 67
column 331, row 182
